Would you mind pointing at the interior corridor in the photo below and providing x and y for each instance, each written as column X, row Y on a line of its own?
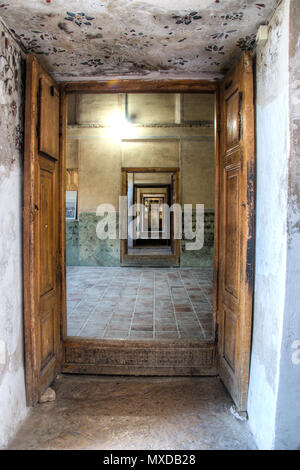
column 140, row 303
column 135, row 413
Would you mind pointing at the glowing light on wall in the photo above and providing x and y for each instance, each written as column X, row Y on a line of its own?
column 119, row 127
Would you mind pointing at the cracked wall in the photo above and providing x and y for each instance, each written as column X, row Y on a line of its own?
column 12, row 386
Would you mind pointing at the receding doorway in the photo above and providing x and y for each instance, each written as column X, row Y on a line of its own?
column 151, row 193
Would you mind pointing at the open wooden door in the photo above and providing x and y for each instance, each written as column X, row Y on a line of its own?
column 43, row 219
column 236, row 228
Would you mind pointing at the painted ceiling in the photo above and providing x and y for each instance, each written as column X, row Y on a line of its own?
column 95, row 38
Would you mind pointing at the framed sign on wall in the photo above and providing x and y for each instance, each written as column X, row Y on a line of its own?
column 71, row 205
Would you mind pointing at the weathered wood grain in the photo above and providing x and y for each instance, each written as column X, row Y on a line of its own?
column 236, row 228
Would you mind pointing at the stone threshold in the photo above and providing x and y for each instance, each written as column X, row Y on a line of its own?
column 146, row 358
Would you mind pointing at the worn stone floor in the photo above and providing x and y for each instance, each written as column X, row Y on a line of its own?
column 140, row 303
column 135, row 413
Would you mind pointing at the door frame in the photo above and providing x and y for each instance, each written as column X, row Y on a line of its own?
column 175, row 256
column 143, row 86
column 83, row 355
column 166, row 187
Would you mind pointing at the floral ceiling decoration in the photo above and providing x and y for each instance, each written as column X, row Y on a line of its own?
column 94, row 38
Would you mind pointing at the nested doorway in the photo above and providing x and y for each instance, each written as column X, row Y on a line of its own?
column 151, row 193
column 44, row 224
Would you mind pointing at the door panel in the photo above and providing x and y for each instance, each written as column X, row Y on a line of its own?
column 42, row 225
column 232, row 252
column 232, row 110
column 48, row 328
column 49, row 117
column 47, row 226
column 236, row 225
column 229, row 337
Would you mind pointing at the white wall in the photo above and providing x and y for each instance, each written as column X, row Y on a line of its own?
column 12, row 385
column 274, row 286
column 288, row 409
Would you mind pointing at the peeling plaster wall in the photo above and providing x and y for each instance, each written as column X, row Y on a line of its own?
column 273, row 404
column 12, row 385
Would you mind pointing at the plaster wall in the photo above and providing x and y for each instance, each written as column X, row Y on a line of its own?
column 72, row 154
column 169, row 131
column 154, row 108
column 99, row 174
column 151, row 153
column 154, row 178
column 12, row 384
column 287, row 435
column 91, row 108
column 273, row 405
column 198, row 173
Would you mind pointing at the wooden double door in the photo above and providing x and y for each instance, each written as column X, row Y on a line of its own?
column 44, row 226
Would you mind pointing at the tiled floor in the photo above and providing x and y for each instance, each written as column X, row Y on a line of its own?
column 139, row 303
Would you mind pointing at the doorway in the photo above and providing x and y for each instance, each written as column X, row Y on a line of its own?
column 233, row 260
column 151, row 193
column 150, row 233
column 154, row 297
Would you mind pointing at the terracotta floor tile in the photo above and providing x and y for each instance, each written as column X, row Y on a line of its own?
column 166, row 334
column 134, row 327
column 141, row 334
column 116, row 334
column 125, row 296
column 165, row 327
column 119, row 325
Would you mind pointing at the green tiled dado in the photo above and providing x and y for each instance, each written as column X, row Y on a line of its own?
column 72, row 242
column 204, row 257
column 84, row 248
